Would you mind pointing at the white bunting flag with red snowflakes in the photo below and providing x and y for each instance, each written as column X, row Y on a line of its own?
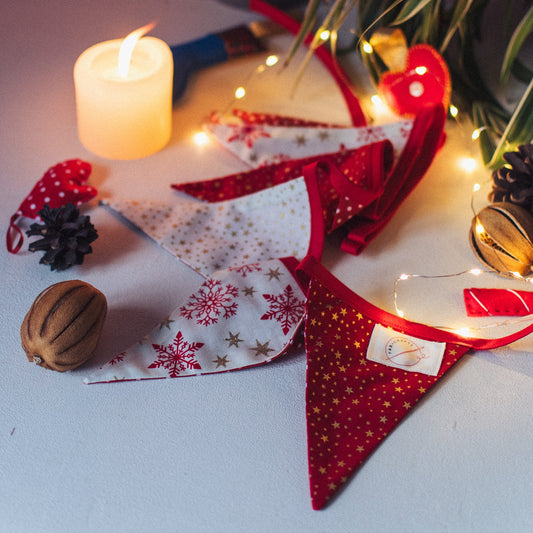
column 237, row 318
column 260, row 139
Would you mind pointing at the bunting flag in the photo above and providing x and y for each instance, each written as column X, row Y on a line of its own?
column 237, row 318
column 414, row 146
column 208, row 237
column 261, row 141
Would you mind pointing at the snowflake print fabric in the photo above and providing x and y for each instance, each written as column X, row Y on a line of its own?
column 268, row 224
column 240, row 317
column 177, row 356
column 286, row 308
column 213, row 300
column 261, row 144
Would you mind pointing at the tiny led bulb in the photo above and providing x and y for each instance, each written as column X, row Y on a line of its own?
column 240, row 92
column 367, row 48
column 468, row 164
column 454, row 111
column 324, row 35
column 421, row 70
column 464, row 332
column 271, row 60
column 376, row 100
column 200, row 138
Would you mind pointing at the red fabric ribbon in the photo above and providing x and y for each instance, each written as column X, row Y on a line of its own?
column 497, row 302
column 284, row 20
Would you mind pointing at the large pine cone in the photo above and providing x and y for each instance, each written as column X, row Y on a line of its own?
column 514, row 182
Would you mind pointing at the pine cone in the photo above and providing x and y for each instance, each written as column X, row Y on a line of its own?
column 514, row 182
column 66, row 236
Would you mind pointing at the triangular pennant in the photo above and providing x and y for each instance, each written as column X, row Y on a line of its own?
column 237, row 318
column 365, row 170
column 363, row 377
column 209, row 237
column 261, row 144
column 425, row 140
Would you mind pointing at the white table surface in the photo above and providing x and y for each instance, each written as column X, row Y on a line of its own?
column 226, row 452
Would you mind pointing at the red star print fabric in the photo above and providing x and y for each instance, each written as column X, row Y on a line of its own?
column 366, row 369
column 386, row 175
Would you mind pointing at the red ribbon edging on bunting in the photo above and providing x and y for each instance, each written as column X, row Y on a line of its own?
column 284, row 20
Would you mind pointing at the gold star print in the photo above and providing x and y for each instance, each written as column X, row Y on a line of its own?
column 248, row 291
column 323, row 135
column 166, row 323
column 262, row 349
column 221, row 361
column 322, row 470
column 300, row 140
column 273, row 273
column 233, row 340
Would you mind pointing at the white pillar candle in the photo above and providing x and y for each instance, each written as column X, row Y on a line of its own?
column 124, row 117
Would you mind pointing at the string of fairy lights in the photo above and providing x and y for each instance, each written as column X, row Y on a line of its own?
column 465, row 162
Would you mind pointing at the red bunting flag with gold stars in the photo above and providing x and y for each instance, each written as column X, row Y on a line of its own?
column 366, row 369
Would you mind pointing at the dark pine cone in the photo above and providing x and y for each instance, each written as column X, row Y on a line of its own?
column 514, row 182
column 66, row 236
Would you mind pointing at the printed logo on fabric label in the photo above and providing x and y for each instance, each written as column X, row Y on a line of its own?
column 398, row 350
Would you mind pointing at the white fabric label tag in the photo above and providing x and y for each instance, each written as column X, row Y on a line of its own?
column 395, row 349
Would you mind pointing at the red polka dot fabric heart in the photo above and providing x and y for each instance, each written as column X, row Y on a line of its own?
column 425, row 80
column 64, row 183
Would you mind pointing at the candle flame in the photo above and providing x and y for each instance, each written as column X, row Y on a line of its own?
column 127, row 46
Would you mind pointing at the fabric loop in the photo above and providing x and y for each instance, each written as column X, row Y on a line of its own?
column 14, row 232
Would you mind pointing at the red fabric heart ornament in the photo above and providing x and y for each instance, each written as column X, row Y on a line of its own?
column 424, row 80
column 62, row 184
